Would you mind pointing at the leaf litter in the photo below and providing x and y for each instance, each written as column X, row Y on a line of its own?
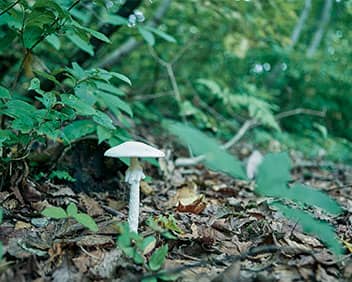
column 216, row 229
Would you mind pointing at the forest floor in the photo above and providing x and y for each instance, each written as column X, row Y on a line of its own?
column 222, row 231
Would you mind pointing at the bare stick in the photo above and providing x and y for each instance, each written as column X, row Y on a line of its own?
column 9, row 7
column 242, row 131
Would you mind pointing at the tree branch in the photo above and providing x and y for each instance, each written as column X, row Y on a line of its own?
column 296, row 33
column 242, row 131
column 9, row 7
column 324, row 20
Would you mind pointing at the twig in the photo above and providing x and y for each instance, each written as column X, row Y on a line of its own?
column 242, row 131
column 9, row 7
column 318, row 35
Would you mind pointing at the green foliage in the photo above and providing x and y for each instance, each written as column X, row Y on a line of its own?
column 165, row 226
column 135, row 247
column 272, row 181
column 71, row 212
column 311, row 225
column 80, row 101
column 216, row 158
column 62, row 175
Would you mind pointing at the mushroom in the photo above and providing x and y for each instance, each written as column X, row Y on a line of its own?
column 134, row 173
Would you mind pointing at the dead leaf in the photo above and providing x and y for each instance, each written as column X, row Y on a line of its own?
column 146, row 188
column 195, row 207
column 22, row 225
column 92, row 206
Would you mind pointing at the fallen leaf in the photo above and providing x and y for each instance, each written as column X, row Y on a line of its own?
column 92, row 206
column 195, row 207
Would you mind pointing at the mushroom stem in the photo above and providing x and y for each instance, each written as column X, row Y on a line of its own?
column 134, row 174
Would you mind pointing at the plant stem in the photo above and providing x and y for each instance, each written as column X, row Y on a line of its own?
column 9, row 7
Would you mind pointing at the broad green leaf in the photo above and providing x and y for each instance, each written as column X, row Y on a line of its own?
column 161, row 34
column 121, row 77
column 103, row 120
column 4, row 93
column 35, row 84
column 31, row 35
column 215, row 157
column 48, row 99
column 150, row 279
column 147, row 35
column 78, row 129
column 72, row 209
column 81, row 107
column 157, row 259
column 114, row 103
column 148, row 244
column 273, row 174
column 86, row 221
column 81, row 43
column 54, row 41
column 313, row 197
column 47, row 76
column 54, row 212
column 324, row 231
column 103, row 133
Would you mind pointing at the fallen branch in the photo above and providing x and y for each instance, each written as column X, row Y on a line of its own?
column 242, row 131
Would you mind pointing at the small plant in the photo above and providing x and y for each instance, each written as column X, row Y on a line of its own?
column 135, row 247
column 71, row 212
column 166, row 226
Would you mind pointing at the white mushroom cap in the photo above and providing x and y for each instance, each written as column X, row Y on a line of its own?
column 134, row 149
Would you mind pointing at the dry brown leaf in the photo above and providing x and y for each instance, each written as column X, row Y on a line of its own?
column 195, row 207
column 92, row 206
column 22, row 225
column 146, row 188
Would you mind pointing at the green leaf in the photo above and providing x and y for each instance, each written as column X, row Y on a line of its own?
column 114, row 103
column 35, row 84
column 103, row 133
column 161, row 34
column 54, row 41
column 81, row 43
column 81, row 107
column 121, row 77
column 103, row 120
column 4, row 93
column 54, row 212
column 48, row 99
column 72, row 209
column 147, row 245
column 86, row 221
column 323, row 230
column 215, row 157
column 115, row 20
column 78, row 129
column 61, row 174
column 157, row 259
column 31, row 35
column 147, row 35
column 313, row 197
column 273, row 175
column 150, row 279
